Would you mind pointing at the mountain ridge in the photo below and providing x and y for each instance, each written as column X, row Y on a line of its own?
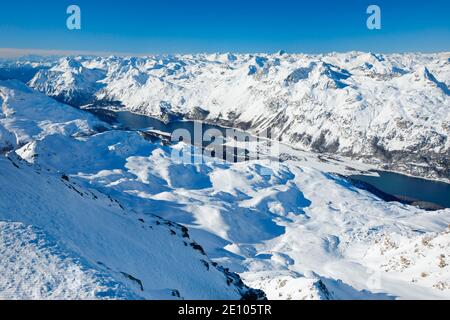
column 389, row 110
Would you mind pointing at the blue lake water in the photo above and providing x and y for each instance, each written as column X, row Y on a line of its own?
column 410, row 187
column 131, row 121
column 395, row 184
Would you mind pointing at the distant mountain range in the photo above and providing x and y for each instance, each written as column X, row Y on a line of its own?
column 89, row 210
column 389, row 110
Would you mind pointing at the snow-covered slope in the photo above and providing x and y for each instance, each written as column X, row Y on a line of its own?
column 26, row 114
column 69, row 81
column 61, row 240
column 391, row 110
column 296, row 233
column 105, row 211
column 35, row 267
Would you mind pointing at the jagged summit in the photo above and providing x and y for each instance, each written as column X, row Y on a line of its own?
column 92, row 210
column 425, row 75
column 355, row 103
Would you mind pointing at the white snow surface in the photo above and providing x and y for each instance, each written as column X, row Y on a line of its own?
column 297, row 234
column 361, row 105
column 34, row 267
column 294, row 231
column 90, row 247
column 62, row 240
column 26, row 115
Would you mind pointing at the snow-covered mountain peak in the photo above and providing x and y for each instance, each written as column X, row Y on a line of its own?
column 422, row 74
column 68, row 64
column 116, row 211
column 69, row 81
column 363, row 100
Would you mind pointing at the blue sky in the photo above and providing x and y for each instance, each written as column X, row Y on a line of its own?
column 173, row 26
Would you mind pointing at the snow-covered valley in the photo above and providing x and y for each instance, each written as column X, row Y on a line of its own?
column 391, row 111
column 88, row 210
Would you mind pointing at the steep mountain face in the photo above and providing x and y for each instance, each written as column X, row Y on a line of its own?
column 60, row 240
column 388, row 110
column 63, row 240
column 296, row 233
column 69, row 81
column 90, row 211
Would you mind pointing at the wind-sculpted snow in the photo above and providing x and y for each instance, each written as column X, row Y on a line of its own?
column 297, row 233
column 389, row 110
column 116, row 215
column 26, row 114
column 91, row 247
column 34, row 267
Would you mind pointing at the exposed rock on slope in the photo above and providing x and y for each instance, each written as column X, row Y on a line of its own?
column 97, row 204
column 390, row 110
column 62, row 241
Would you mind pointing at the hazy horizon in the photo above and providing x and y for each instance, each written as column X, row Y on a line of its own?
column 11, row 53
column 156, row 27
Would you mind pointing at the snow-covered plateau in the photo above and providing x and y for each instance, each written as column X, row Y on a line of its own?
column 92, row 211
